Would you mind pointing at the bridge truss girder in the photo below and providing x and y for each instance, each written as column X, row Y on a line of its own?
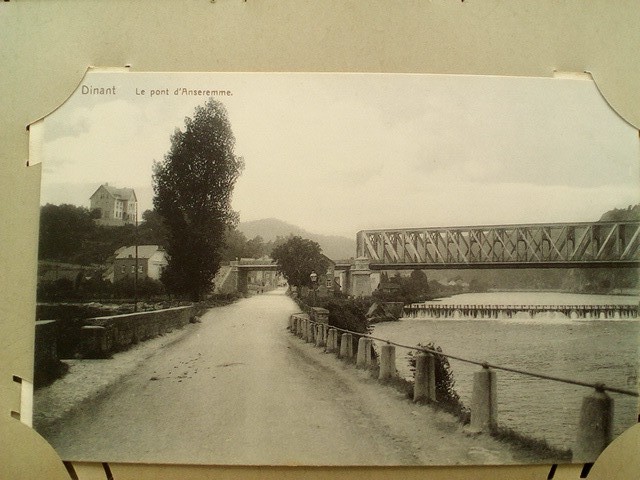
column 565, row 245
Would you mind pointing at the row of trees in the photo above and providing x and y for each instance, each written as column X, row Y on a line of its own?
column 96, row 288
column 68, row 234
column 237, row 245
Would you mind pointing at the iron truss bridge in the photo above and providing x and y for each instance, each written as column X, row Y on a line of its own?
column 568, row 245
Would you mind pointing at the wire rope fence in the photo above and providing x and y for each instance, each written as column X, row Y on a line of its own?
column 596, row 415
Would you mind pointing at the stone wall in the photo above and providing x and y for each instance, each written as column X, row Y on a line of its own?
column 47, row 366
column 102, row 336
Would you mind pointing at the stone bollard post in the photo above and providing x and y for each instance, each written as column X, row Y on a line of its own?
column 431, row 377
column 320, row 342
column 424, row 388
column 329, row 347
column 369, row 359
column 361, row 356
column 346, row 346
column 387, row 362
column 310, row 326
column 484, row 403
column 595, row 427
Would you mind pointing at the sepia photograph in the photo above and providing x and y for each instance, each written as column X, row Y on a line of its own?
column 336, row 269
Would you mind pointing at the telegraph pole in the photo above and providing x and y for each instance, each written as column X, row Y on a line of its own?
column 135, row 275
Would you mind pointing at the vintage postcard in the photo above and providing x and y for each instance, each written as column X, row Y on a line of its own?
column 336, row 269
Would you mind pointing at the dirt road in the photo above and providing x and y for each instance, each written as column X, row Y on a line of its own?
column 239, row 389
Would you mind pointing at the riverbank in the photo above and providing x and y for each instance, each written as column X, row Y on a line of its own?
column 426, row 428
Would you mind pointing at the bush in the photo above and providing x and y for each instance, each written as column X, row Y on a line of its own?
column 146, row 287
column 348, row 314
column 446, row 395
column 57, row 290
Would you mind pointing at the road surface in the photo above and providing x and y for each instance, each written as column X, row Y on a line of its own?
column 238, row 388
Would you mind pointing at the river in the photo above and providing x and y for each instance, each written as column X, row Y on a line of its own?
column 586, row 350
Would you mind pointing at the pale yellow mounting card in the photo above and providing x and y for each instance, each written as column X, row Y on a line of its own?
column 56, row 50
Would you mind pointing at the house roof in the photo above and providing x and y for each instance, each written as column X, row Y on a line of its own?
column 119, row 193
column 144, row 251
column 331, row 262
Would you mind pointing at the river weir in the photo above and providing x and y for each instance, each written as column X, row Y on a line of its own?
column 599, row 312
column 540, row 332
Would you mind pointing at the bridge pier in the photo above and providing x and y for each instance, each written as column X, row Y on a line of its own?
column 243, row 281
column 360, row 281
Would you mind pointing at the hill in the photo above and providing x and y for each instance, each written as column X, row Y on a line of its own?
column 631, row 213
column 333, row 246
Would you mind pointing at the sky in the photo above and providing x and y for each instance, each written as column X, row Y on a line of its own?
column 339, row 153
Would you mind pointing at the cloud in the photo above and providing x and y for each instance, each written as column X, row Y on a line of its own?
column 60, row 127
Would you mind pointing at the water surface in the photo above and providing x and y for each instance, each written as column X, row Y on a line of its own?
column 604, row 351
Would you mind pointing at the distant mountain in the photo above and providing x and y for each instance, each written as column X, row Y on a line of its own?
column 333, row 246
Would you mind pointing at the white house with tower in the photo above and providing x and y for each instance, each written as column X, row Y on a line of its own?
column 116, row 206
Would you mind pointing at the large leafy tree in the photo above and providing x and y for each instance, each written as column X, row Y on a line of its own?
column 64, row 230
column 152, row 230
column 193, row 186
column 297, row 257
